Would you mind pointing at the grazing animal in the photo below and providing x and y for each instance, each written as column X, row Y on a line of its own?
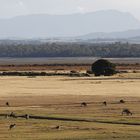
column 105, row 103
column 73, row 71
column 12, row 126
column 127, row 112
column 12, row 114
column 84, row 104
column 122, row 101
column 7, row 104
column 27, row 116
column 57, row 127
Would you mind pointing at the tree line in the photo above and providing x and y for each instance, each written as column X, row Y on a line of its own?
column 59, row 49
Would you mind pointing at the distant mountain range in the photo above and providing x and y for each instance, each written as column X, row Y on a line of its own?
column 113, row 35
column 94, row 25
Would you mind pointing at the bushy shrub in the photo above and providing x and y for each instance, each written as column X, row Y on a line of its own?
column 103, row 67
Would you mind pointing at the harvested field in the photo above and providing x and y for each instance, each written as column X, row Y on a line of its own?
column 54, row 104
column 26, row 86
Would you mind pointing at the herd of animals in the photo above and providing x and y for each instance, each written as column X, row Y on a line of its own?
column 13, row 115
column 124, row 111
column 83, row 104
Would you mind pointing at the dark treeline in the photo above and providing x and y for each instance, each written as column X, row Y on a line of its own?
column 70, row 50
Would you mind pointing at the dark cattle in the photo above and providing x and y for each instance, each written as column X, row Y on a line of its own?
column 105, row 103
column 126, row 111
column 122, row 101
column 83, row 104
column 57, row 127
column 7, row 104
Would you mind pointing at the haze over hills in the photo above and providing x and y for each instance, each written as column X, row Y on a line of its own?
column 43, row 25
column 114, row 35
column 131, row 36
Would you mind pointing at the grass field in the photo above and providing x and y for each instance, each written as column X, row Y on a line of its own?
column 61, row 97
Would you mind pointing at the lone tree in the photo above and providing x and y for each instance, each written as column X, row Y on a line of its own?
column 103, row 67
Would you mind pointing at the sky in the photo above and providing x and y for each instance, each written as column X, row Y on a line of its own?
column 11, row 8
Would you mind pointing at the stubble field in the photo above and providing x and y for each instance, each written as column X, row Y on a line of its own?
column 58, row 100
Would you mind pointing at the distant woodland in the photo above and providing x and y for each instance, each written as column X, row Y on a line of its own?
column 58, row 49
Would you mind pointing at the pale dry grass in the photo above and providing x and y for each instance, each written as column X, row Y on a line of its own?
column 61, row 97
column 68, row 106
column 41, row 86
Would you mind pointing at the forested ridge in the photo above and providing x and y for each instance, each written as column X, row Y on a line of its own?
column 59, row 49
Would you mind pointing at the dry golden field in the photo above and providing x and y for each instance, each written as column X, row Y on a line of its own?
column 61, row 97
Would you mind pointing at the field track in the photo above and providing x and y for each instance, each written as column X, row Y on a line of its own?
column 73, row 119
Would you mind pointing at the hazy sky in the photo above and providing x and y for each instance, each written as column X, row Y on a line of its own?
column 10, row 8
